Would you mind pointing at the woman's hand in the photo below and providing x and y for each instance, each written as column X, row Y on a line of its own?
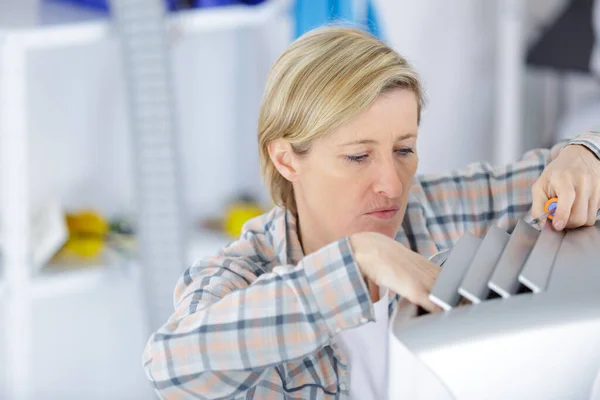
column 388, row 263
column 574, row 178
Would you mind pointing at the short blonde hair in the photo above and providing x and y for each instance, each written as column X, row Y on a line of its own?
column 320, row 82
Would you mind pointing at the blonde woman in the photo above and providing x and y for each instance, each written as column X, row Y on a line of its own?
column 297, row 307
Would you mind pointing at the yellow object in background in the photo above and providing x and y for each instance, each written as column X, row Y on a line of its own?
column 237, row 214
column 87, row 233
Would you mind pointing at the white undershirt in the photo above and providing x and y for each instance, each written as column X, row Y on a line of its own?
column 366, row 348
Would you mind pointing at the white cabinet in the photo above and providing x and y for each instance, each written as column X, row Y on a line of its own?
column 64, row 131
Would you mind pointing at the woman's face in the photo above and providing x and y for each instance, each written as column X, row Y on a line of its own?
column 358, row 178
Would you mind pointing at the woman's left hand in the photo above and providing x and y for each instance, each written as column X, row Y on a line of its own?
column 574, row 178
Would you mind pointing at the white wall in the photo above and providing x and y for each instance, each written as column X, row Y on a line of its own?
column 16, row 13
column 451, row 44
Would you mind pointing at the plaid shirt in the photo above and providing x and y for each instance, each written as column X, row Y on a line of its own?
column 257, row 320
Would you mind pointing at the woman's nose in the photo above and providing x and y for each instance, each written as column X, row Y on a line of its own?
column 388, row 181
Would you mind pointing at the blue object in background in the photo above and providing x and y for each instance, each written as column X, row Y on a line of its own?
column 103, row 4
column 97, row 4
column 218, row 3
column 212, row 3
column 372, row 23
column 172, row 5
column 340, row 10
column 314, row 13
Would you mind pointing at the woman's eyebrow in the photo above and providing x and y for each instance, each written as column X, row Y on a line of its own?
column 372, row 141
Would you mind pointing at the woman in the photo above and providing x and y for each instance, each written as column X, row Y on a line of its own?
column 283, row 311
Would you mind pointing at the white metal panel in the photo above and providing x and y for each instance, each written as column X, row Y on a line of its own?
column 14, row 218
column 509, row 93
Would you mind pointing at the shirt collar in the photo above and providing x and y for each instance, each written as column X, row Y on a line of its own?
column 285, row 232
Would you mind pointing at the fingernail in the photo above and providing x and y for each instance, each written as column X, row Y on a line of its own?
column 558, row 225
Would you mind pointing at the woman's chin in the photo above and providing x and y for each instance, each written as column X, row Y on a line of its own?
column 388, row 229
column 391, row 233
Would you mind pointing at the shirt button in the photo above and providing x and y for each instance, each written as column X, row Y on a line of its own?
column 343, row 386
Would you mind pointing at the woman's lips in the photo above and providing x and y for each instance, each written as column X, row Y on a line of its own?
column 385, row 214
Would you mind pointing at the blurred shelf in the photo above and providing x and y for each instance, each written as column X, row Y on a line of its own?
column 63, row 279
column 180, row 23
column 60, row 279
column 66, row 278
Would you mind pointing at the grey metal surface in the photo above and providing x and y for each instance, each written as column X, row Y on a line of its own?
column 577, row 264
column 445, row 290
column 497, row 317
column 474, row 285
column 536, row 271
column 536, row 345
column 505, row 279
column 529, row 346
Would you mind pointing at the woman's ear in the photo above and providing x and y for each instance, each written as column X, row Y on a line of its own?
column 284, row 159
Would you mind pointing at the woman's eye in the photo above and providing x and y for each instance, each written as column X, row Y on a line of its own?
column 356, row 158
column 404, row 151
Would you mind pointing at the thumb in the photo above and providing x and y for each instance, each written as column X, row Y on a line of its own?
column 540, row 196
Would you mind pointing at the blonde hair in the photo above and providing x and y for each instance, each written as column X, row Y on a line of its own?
column 320, row 82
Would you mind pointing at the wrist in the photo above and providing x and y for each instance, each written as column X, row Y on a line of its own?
column 356, row 244
column 362, row 250
column 581, row 149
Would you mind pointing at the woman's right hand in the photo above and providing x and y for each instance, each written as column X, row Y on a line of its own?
column 388, row 263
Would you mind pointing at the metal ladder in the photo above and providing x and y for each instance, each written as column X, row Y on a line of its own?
column 161, row 229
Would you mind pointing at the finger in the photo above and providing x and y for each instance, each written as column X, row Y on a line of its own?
column 419, row 295
column 579, row 211
column 464, row 302
column 592, row 214
column 566, row 196
column 593, row 206
column 539, row 197
column 598, row 208
column 406, row 309
column 427, row 304
column 430, row 272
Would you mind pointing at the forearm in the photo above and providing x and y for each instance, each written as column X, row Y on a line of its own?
column 285, row 314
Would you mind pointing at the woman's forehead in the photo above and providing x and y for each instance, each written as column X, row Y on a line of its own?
column 388, row 119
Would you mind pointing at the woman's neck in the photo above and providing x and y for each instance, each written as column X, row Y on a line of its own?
column 309, row 238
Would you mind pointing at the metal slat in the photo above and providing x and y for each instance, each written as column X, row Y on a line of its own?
column 445, row 289
column 505, row 279
column 538, row 267
column 475, row 284
column 577, row 264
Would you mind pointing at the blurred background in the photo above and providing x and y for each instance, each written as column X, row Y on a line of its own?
column 128, row 147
